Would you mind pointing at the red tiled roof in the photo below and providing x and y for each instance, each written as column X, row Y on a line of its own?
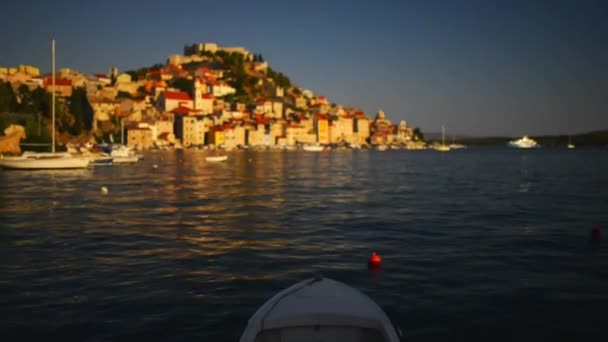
column 58, row 82
column 101, row 76
column 208, row 96
column 177, row 95
column 182, row 110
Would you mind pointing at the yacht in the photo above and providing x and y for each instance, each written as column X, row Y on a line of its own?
column 524, row 142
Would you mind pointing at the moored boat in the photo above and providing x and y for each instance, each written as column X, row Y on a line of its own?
column 44, row 161
column 442, row 147
column 214, row 159
column 319, row 309
column 313, row 148
column 101, row 159
column 524, row 142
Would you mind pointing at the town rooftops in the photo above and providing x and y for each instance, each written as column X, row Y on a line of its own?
column 177, row 95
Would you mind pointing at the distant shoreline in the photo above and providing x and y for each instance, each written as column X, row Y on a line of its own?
column 594, row 138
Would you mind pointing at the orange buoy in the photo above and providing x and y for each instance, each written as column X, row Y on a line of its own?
column 374, row 260
column 595, row 234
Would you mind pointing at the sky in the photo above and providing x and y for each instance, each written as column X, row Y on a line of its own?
column 479, row 68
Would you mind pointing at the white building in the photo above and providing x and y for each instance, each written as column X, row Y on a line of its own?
column 169, row 100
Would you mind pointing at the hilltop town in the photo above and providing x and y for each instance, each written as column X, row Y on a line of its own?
column 211, row 95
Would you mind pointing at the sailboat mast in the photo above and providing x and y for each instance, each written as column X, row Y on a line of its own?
column 53, row 94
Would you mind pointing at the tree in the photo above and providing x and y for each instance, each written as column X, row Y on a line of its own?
column 123, row 95
column 81, row 110
column 8, row 100
column 41, row 101
column 183, row 84
column 229, row 98
column 418, row 136
column 25, row 97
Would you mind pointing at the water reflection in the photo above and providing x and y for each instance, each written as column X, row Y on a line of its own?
column 199, row 246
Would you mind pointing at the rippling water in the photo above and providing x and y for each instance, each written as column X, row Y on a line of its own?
column 476, row 243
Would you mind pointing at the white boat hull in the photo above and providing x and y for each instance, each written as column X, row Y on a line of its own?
column 313, row 148
column 524, row 142
column 125, row 160
column 44, row 161
column 442, row 148
column 319, row 309
column 215, row 159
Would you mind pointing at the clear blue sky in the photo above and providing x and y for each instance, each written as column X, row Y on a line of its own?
column 479, row 67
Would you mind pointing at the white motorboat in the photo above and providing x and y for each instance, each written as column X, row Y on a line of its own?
column 46, row 160
column 319, row 309
column 313, row 148
column 524, row 142
column 124, row 155
column 381, row 148
column 215, row 159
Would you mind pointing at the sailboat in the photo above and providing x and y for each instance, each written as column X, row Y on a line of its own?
column 443, row 147
column 455, row 146
column 570, row 144
column 46, row 160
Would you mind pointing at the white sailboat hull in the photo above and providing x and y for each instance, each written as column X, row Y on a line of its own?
column 313, row 148
column 214, row 159
column 125, row 160
column 46, row 161
column 319, row 309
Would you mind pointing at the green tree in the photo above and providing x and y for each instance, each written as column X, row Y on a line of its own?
column 81, row 110
column 229, row 98
column 418, row 136
column 8, row 100
column 123, row 95
column 25, row 97
column 41, row 101
column 183, row 84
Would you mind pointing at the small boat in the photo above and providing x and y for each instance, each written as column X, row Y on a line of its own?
column 443, row 147
column 570, row 144
column 214, row 159
column 313, row 148
column 101, row 159
column 524, row 142
column 381, row 148
column 125, row 159
column 124, row 155
column 319, row 309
